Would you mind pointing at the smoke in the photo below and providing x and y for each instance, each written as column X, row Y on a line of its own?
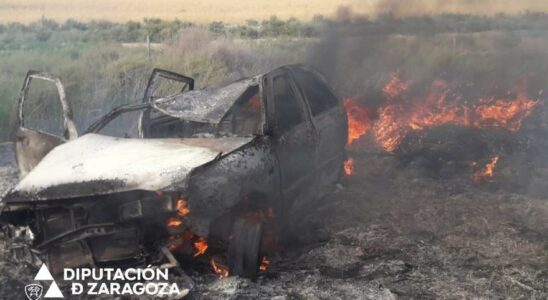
column 479, row 57
column 492, row 53
column 483, row 7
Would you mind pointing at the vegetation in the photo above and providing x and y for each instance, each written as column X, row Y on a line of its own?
column 104, row 64
column 102, row 73
column 45, row 31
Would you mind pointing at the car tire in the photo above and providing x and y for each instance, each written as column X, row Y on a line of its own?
column 245, row 249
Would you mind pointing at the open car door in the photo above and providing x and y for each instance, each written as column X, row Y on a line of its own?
column 32, row 143
column 162, row 84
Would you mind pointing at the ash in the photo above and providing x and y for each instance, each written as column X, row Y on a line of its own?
column 389, row 232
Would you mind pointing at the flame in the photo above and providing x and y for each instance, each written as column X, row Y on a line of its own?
column 220, row 270
column 505, row 113
column 358, row 119
column 201, row 246
column 443, row 105
column 264, row 264
column 174, row 222
column 349, row 167
column 488, row 171
column 182, row 209
column 387, row 130
column 395, row 86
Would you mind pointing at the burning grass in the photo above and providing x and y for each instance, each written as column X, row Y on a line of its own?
column 442, row 103
column 487, row 172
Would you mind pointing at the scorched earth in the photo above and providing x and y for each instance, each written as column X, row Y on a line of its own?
column 390, row 232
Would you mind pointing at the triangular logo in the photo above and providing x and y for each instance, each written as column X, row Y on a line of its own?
column 34, row 291
column 54, row 291
column 43, row 274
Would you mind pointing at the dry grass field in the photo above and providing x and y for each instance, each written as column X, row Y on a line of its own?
column 203, row 11
column 238, row 11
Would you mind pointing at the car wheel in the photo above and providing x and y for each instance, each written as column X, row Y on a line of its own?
column 245, row 248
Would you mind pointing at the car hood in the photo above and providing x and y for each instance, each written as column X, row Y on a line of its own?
column 95, row 164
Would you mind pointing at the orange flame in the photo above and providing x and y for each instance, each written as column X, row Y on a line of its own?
column 358, row 119
column 264, row 264
column 220, row 270
column 182, row 209
column 488, row 171
column 388, row 130
column 201, row 246
column 440, row 107
column 174, row 222
column 505, row 113
column 349, row 167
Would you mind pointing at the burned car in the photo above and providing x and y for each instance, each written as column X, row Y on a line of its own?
column 215, row 164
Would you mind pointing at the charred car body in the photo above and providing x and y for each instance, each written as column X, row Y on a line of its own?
column 218, row 160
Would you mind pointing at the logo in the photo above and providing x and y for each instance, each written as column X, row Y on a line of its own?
column 34, row 290
column 104, row 281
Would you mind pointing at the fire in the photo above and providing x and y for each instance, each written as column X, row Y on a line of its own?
column 395, row 87
column 219, row 269
column 201, row 246
column 264, row 264
column 488, row 171
column 358, row 119
column 387, row 130
column 349, row 167
column 182, row 209
column 174, row 222
column 505, row 113
column 442, row 104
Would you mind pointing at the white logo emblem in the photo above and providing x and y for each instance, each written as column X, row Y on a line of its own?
column 34, row 291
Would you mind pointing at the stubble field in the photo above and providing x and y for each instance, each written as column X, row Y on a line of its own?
column 204, row 11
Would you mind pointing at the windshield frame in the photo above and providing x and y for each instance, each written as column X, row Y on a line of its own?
column 112, row 115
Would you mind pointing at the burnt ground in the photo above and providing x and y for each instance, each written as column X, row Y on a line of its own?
column 395, row 232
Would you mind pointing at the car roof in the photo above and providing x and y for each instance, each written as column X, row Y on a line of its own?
column 207, row 105
column 210, row 105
